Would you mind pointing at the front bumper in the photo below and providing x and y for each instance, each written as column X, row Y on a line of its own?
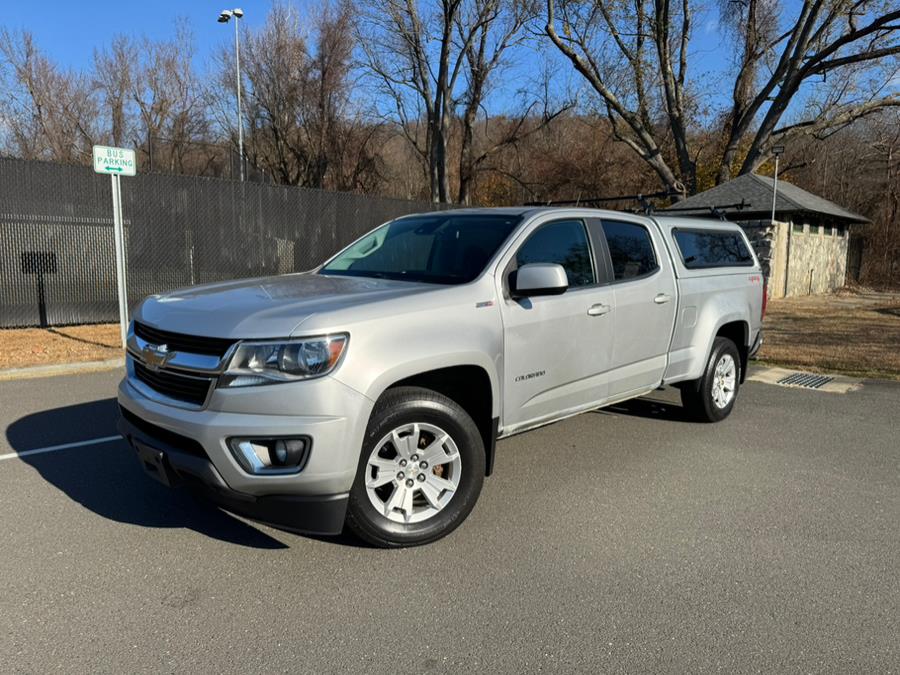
column 175, row 466
column 189, row 446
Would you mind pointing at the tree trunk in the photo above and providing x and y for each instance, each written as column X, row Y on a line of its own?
column 467, row 151
column 724, row 174
column 442, row 161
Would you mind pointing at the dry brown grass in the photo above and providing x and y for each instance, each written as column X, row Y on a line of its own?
column 23, row 347
column 851, row 332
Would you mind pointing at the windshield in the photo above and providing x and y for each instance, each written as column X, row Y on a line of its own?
column 438, row 248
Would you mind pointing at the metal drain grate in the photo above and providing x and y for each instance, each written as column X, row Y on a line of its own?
column 805, row 380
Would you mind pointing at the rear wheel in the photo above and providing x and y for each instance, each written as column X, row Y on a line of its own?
column 712, row 397
column 420, row 471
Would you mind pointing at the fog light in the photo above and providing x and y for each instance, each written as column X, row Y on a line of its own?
column 271, row 455
column 288, row 452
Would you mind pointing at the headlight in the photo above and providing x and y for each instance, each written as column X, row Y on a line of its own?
column 283, row 361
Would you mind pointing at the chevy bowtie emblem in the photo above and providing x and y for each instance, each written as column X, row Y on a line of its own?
column 156, row 356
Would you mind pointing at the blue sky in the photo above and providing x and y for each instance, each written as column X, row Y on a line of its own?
column 70, row 31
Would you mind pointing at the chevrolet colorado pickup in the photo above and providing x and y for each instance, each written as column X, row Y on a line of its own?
column 370, row 391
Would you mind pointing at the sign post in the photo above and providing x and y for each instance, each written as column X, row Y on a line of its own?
column 117, row 162
column 40, row 263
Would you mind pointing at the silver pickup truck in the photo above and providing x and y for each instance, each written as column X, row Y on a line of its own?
column 370, row 392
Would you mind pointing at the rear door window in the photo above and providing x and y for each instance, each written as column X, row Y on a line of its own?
column 712, row 248
column 630, row 249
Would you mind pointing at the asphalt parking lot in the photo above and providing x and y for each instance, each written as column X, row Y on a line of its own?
column 622, row 540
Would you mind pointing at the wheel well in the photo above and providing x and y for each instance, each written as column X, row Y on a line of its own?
column 737, row 331
column 470, row 387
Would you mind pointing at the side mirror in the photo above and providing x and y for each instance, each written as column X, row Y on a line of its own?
column 539, row 279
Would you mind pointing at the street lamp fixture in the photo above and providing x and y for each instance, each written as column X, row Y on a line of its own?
column 224, row 17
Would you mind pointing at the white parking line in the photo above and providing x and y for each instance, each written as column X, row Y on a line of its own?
column 64, row 446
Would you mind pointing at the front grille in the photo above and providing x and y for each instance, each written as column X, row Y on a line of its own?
column 164, row 436
column 179, row 342
column 174, row 385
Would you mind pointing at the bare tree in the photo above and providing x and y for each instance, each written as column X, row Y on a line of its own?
column 114, row 72
column 858, row 166
column 825, row 40
column 574, row 156
column 395, row 38
column 884, row 233
column 430, row 58
column 618, row 47
column 301, row 128
column 170, row 100
column 485, row 55
column 47, row 113
column 276, row 63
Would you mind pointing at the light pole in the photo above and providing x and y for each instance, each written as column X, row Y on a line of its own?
column 224, row 17
column 777, row 151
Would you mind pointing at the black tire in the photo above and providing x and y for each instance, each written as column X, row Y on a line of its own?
column 407, row 405
column 697, row 396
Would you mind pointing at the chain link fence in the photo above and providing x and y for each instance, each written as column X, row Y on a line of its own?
column 57, row 253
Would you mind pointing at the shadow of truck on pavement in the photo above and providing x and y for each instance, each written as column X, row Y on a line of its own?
column 107, row 479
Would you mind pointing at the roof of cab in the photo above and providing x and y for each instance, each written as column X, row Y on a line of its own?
column 525, row 210
column 664, row 220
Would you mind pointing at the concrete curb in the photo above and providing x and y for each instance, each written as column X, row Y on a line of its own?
column 60, row 369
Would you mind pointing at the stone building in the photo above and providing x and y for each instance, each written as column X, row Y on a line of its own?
column 803, row 251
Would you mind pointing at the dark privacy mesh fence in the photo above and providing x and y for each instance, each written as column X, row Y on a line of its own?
column 57, row 256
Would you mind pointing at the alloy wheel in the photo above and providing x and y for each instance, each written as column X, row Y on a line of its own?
column 413, row 473
column 724, row 381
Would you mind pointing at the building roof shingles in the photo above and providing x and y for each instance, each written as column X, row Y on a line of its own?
column 756, row 191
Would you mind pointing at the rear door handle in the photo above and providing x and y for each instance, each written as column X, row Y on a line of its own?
column 599, row 309
column 662, row 298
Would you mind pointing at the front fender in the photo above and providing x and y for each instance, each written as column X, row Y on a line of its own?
column 402, row 370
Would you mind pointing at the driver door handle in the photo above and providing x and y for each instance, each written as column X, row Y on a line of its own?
column 662, row 298
column 599, row 309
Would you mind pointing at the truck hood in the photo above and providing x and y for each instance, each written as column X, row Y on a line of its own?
column 268, row 307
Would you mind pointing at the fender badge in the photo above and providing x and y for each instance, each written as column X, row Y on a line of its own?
column 486, row 303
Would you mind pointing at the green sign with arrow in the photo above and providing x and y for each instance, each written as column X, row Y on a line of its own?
column 120, row 161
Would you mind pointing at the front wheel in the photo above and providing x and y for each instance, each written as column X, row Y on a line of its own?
column 420, row 471
column 712, row 397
